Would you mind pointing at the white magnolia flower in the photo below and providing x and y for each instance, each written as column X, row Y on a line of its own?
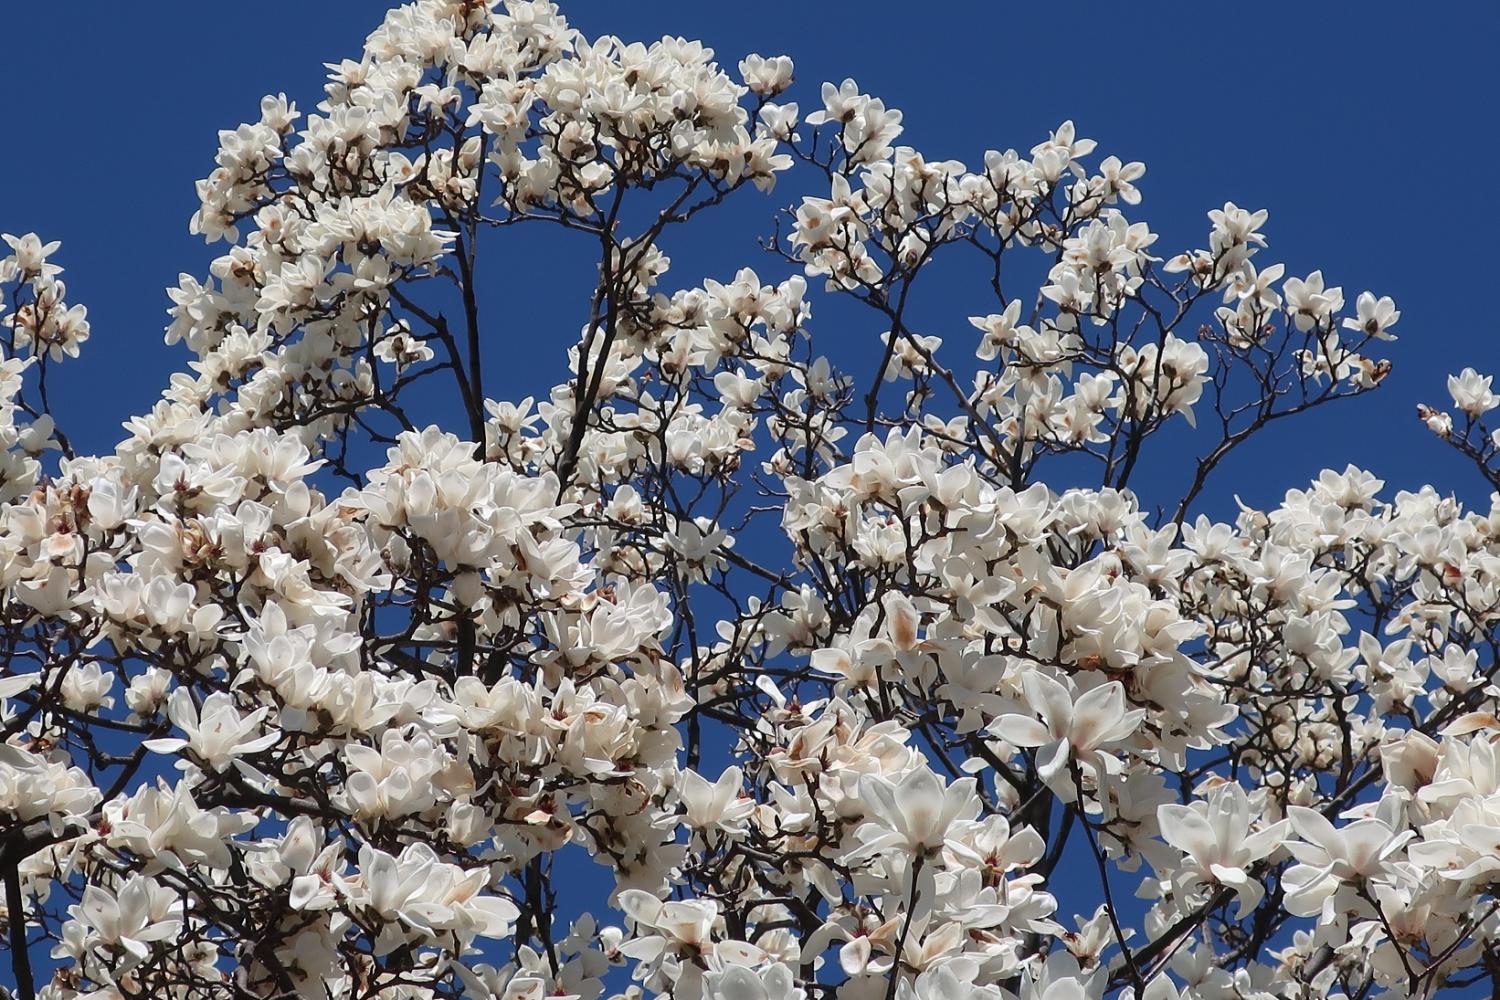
column 913, row 814
column 1331, row 857
column 217, row 734
column 1070, row 730
column 718, row 805
column 1216, row 837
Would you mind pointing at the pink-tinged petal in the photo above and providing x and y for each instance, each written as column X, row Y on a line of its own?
column 831, row 661
column 1128, row 724
column 1161, row 988
column 1053, row 760
column 960, row 801
column 1258, row 845
column 1233, row 877
column 902, row 620
column 1050, row 700
column 644, row 949
column 1482, row 838
column 880, row 795
column 738, row 953
column 1434, row 854
column 1307, row 889
column 1314, row 828
column 1247, row 890
column 854, row 956
column 1229, row 815
column 1100, row 717
column 1186, row 830
column 1020, row 731
column 640, row 906
column 1364, row 842
column 919, row 806
column 304, row 891
column 1107, row 701
column 499, row 915
column 257, row 745
column 739, row 983
column 362, row 757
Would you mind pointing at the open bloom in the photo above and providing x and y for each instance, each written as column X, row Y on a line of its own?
column 217, row 734
column 1069, row 729
column 1332, row 857
column 676, row 939
column 913, row 814
column 139, row 913
column 1215, row 836
column 718, row 805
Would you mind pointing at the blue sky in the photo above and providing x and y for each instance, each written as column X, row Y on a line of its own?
column 1368, row 137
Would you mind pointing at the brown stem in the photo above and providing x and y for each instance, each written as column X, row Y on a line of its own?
column 15, row 917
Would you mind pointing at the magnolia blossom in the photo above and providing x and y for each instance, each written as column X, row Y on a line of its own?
column 131, row 919
column 1216, row 838
column 718, row 805
column 1332, row 857
column 1070, row 730
column 216, row 733
column 914, row 814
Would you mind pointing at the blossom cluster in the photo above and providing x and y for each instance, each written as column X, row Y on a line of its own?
column 729, row 666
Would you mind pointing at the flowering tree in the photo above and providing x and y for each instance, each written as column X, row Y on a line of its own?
column 307, row 696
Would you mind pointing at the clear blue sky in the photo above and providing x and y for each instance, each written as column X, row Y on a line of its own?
column 1368, row 131
column 1369, row 135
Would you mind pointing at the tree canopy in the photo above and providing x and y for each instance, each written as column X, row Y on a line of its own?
column 749, row 661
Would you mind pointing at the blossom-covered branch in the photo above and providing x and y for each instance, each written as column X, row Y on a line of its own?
column 748, row 661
